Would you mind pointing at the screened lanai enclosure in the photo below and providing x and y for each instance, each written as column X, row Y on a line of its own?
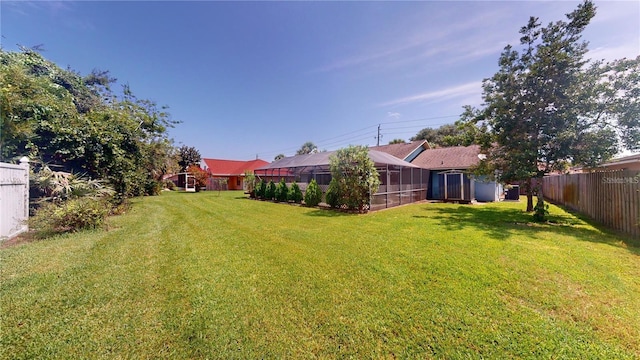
column 400, row 182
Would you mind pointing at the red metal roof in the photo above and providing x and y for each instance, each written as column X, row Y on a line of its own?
column 220, row 167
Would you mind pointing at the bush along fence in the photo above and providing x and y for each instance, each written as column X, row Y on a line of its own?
column 611, row 198
column 14, row 198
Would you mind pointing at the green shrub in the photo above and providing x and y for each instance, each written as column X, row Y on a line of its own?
column 168, row 184
column 70, row 216
column 540, row 211
column 282, row 191
column 295, row 194
column 270, row 192
column 261, row 188
column 153, row 187
column 250, row 183
column 313, row 195
column 356, row 176
column 56, row 186
column 333, row 195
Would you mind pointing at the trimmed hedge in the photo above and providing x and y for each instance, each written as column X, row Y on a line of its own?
column 282, row 191
column 313, row 195
column 295, row 194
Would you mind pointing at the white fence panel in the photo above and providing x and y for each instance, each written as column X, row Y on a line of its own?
column 14, row 198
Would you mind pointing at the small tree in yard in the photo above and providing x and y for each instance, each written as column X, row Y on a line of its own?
column 200, row 175
column 261, row 188
column 250, row 183
column 270, row 191
column 355, row 176
column 282, row 191
column 334, row 197
column 220, row 183
column 295, row 194
column 313, row 195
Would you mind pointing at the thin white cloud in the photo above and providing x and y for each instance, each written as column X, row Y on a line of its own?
column 431, row 40
column 26, row 7
column 459, row 91
column 394, row 115
column 629, row 51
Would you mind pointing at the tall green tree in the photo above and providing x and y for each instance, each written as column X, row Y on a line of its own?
column 397, row 141
column 445, row 136
column 548, row 108
column 78, row 124
column 355, row 176
column 307, row 148
column 187, row 156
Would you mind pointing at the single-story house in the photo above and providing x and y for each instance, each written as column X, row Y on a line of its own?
column 631, row 162
column 449, row 177
column 400, row 182
column 231, row 170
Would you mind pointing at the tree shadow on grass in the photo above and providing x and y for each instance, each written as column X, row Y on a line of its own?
column 328, row 212
column 502, row 223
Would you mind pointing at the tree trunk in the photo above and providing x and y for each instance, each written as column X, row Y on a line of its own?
column 529, row 190
column 540, row 214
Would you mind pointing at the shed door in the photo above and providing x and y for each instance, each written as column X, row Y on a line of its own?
column 454, row 186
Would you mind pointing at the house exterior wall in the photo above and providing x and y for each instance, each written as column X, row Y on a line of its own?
column 487, row 190
column 214, row 184
column 234, row 182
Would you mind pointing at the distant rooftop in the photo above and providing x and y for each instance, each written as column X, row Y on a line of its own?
column 403, row 150
column 322, row 159
column 455, row 157
column 223, row 167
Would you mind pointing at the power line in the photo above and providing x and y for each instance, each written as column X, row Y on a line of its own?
column 372, row 131
column 422, row 119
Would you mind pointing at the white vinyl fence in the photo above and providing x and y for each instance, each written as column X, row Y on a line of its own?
column 14, row 198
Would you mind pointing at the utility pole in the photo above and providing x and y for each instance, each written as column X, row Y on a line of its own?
column 379, row 136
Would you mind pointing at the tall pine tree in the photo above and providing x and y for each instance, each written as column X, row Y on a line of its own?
column 548, row 108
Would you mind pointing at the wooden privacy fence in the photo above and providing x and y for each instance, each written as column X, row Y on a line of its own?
column 611, row 198
column 14, row 198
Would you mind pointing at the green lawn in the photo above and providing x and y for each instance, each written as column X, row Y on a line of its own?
column 197, row 275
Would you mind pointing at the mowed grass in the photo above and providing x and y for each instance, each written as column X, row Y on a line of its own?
column 204, row 275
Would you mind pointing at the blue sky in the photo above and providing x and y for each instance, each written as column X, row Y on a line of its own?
column 262, row 78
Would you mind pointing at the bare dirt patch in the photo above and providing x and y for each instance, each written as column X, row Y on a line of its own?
column 17, row 240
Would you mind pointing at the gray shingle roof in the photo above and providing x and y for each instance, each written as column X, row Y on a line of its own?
column 322, row 159
column 401, row 151
column 456, row 157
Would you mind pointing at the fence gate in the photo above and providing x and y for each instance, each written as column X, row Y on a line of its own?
column 14, row 198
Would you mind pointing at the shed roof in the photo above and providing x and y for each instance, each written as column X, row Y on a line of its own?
column 322, row 159
column 455, row 157
column 221, row 167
